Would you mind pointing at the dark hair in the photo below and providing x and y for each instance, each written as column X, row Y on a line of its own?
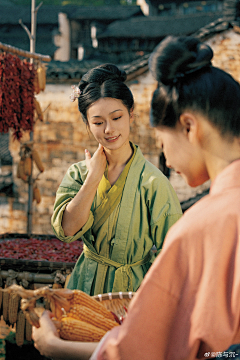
column 187, row 80
column 103, row 81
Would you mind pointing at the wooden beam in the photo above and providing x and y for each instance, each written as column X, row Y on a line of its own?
column 138, row 72
column 26, row 54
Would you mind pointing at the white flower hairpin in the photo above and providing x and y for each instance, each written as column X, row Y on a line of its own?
column 76, row 92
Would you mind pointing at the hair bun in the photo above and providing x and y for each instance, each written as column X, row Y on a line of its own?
column 176, row 57
column 102, row 73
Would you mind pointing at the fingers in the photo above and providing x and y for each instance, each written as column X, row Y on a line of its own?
column 46, row 324
column 100, row 150
column 87, row 155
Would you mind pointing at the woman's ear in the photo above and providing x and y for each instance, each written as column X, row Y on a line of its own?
column 189, row 125
column 131, row 115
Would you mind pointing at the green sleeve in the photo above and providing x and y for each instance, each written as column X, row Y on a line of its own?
column 164, row 208
column 68, row 188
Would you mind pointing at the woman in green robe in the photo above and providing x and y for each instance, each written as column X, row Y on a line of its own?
column 116, row 201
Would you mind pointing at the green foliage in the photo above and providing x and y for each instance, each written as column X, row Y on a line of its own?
column 76, row 2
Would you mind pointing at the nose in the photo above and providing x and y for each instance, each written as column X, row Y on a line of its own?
column 109, row 129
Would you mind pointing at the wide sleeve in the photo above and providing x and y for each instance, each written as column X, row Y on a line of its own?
column 164, row 208
column 69, row 187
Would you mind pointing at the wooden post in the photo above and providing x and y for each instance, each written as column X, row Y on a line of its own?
column 34, row 11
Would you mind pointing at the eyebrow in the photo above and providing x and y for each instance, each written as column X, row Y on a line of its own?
column 98, row 116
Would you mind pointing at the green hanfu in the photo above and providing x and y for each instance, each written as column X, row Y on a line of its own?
column 121, row 230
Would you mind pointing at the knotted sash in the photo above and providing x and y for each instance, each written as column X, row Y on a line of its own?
column 123, row 276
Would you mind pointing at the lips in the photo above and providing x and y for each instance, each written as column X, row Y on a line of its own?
column 113, row 138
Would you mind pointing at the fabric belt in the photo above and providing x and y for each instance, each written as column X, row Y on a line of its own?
column 123, row 275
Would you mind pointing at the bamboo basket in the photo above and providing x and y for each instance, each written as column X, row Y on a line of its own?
column 116, row 302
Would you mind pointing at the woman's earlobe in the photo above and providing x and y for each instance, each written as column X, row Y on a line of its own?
column 188, row 122
column 132, row 116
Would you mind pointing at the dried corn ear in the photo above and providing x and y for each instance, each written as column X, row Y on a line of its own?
column 37, row 160
column 14, row 301
column 20, row 328
column 28, row 331
column 36, row 194
column 38, row 109
column 5, row 304
column 41, row 77
column 27, row 166
column 36, row 84
column 89, row 316
column 76, row 330
column 81, row 298
column 20, row 170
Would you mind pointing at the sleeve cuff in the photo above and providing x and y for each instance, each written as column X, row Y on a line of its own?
column 68, row 239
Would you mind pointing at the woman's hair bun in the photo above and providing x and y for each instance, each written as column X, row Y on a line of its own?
column 176, row 57
column 102, row 73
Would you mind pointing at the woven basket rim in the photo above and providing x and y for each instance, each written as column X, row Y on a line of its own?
column 116, row 295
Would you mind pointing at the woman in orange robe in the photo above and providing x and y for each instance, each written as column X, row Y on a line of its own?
column 188, row 305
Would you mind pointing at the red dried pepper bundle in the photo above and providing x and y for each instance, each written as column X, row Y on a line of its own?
column 16, row 95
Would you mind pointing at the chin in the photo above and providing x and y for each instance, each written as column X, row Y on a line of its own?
column 194, row 182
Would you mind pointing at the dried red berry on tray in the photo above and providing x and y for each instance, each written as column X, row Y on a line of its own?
column 40, row 249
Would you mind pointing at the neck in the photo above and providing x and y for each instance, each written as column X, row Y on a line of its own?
column 119, row 157
column 224, row 154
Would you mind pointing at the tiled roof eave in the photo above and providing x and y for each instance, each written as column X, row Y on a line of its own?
column 214, row 27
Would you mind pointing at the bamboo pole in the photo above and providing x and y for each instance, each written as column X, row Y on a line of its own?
column 32, row 36
column 23, row 53
column 31, row 277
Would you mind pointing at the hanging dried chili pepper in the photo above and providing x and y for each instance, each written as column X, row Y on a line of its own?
column 16, row 95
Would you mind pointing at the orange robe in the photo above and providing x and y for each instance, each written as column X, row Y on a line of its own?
column 188, row 305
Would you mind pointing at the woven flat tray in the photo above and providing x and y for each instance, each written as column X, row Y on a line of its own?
column 116, row 302
column 31, row 265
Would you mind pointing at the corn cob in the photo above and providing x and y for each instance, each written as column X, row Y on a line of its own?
column 37, row 160
column 38, row 109
column 20, row 171
column 76, row 330
column 20, row 328
column 41, row 77
column 27, row 166
column 89, row 316
column 14, row 301
column 36, row 84
column 28, row 331
column 36, row 194
column 5, row 304
column 81, row 298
